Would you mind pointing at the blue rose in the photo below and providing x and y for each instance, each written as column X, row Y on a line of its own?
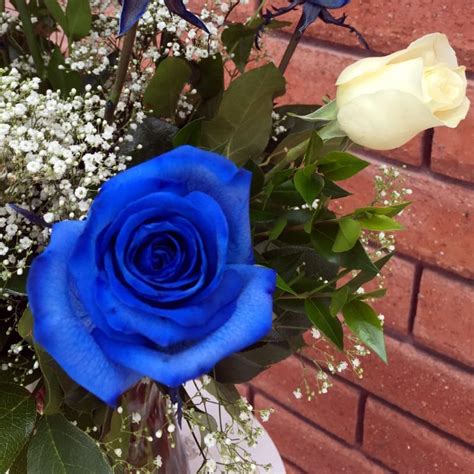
column 158, row 281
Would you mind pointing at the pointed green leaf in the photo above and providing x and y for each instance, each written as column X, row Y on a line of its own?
column 327, row 113
column 363, row 322
column 59, row 447
column 338, row 165
column 314, row 148
column 308, row 184
column 57, row 13
column 389, row 211
column 331, row 327
column 379, row 223
column 284, row 286
column 338, row 300
column 278, row 228
column 364, row 276
column 25, row 325
column 17, row 420
column 348, row 234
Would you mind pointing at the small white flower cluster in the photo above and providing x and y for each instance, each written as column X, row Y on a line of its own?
column 197, row 44
column 6, row 21
column 278, row 127
column 55, row 152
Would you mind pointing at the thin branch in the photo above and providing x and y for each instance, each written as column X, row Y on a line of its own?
column 125, row 56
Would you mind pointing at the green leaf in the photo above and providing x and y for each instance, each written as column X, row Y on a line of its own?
column 16, row 284
column 59, row 447
column 363, row 322
column 79, row 19
column 323, row 237
column 237, row 369
column 21, row 461
column 334, row 191
column 242, row 127
column 371, row 294
column 308, row 184
column 60, row 79
column 57, row 13
column 331, row 130
column 278, row 228
column 348, row 234
column 389, row 211
column 17, row 420
column 326, row 113
column 379, row 223
column 338, row 300
column 190, row 134
column 238, row 39
column 211, row 77
column 313, row 151
column 54, row 393
column 162, row 93
column 227, row 394
column 25, row 325
column 338, row 165
column 320, row 316
column 282, row 285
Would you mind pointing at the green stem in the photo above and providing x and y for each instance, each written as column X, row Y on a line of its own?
column 291, row 48
column 30, row 36
column 3, row 40
column 122, row 69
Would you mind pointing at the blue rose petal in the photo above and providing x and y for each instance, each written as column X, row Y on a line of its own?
column 249, row 320
column 62, row 327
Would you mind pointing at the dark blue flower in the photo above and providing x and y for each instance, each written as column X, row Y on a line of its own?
column 159, row 280
column 312, row 10
column 133, row 10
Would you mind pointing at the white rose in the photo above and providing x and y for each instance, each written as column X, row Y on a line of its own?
column 383, row 102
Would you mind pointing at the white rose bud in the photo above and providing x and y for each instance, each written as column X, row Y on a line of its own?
column 385, row 101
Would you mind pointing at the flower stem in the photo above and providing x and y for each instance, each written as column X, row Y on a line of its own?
column 3, row 40
column 290, row 49
column 122, row 69
column 30, row 36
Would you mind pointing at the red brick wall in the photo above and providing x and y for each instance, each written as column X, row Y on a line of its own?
column 416, row 415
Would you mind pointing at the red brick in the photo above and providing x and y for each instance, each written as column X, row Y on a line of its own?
column 244, row 390
column 444, row 316
column 310, row 449
column 398, row 278
column 422, row 385
column 406, row 446
column 335, row 411
column 410, row 153
column 390, row 26
column 439, row 223
column 452, row 149
column 290, row 469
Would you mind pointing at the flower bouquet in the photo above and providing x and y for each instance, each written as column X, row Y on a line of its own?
column 168, row 231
